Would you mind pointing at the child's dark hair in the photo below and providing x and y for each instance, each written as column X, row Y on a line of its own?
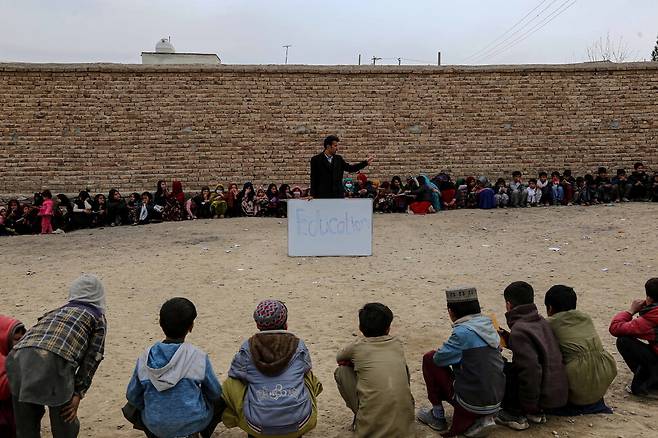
column 621, row 172
column 465, row 308
column 533, row 180
column 580, row 179
column 651, row 287
column 561, row 298
column 602, row 170
column 555, row 173
column 500, row 181
column 567, row 172
column 638, row 164
column 47, row 194
column 375, row 319
column 542, row 173
column 519, row 293
column 176, row 317
column 516, row 173
column 148, row 195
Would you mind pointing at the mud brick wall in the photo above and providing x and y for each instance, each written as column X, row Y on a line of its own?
column 97, row 126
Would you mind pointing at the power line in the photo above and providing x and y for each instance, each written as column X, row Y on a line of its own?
column 521, row 29
column 566, row 5
column 482, row 50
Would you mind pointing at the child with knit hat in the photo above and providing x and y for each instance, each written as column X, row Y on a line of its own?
column 270, row 390
column 466, row 371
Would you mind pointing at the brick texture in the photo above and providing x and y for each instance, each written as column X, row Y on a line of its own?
column 97, row 126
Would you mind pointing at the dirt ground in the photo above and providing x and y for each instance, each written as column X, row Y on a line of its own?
column 226, row 266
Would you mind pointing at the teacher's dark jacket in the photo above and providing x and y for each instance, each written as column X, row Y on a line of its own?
column 327, row 179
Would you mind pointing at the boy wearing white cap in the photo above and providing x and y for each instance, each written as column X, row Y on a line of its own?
column 467, row 371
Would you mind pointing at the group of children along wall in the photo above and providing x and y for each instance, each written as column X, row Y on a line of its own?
column 418, row 195
column 558, row 367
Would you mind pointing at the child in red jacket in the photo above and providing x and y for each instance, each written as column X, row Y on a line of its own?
column 641, row 357
column 11, row 331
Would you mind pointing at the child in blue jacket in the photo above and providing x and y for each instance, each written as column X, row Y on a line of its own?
column 173, row 391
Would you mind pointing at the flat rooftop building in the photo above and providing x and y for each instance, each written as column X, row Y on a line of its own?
column 166, row 54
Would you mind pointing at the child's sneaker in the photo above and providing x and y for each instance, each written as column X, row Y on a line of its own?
column 512, row 421
column 536, row 418
column 425, row 416
column 481, row 427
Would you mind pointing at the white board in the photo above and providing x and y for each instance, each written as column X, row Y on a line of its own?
column 330, row 227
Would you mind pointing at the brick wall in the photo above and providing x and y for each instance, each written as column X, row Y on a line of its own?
column 66, row 127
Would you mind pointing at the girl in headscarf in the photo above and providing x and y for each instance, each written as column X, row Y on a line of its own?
column 174, row 202
column 218, row 204
column 422, row 193
column 83, row 210
column 117, row 210
column 272, row 201
column 133, row 207
column 201, row 204
column 55, row 361
column 232, row 202
column 247, row 199
column 262, row 201
column 436, row 193
column 284, row 195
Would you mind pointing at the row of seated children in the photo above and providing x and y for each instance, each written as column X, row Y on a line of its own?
column 558, row 367
column 417, row 195
column 45, row 213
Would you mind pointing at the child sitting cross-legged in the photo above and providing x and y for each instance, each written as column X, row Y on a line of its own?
column 373, row 378
column 467, row 371
column 173, row 391
column 270, row 389
column 536, row 377
column 590, row 369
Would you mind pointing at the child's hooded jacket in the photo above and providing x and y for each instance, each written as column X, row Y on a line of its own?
column 173, row 386
column 473, row 351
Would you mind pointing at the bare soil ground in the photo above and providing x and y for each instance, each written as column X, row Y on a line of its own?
column 605, row 253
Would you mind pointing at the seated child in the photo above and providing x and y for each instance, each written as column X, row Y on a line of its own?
column 590, row 369
column 146, row 211
column 641, row 358
column 536, row 377
column 373, row 378
column 534, row 193
column 557, row 190
column 621, row 187
column 173, row 391
column 500, row 193
column 270, row 389
column 11, row 331
column 467, row 371
column 581, row 194
column 568, row 184
column 545, row 186
column 640, row 183
column 604, row 185
column 54, row 363
column 518, row 192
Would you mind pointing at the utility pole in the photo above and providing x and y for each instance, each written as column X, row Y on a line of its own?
column 287, row 46
column 359, row 59
column 438, row 58
column 399, row 61
column 375, row 59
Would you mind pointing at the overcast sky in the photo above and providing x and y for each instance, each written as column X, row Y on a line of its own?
column 325, row 32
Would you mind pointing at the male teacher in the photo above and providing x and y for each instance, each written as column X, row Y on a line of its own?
column 327, row 170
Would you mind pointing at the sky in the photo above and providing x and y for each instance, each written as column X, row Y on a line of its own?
column 326, row 32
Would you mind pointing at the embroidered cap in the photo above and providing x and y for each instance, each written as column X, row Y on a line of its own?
column 461, row 294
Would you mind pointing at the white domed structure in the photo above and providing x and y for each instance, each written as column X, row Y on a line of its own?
column 164, row 46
